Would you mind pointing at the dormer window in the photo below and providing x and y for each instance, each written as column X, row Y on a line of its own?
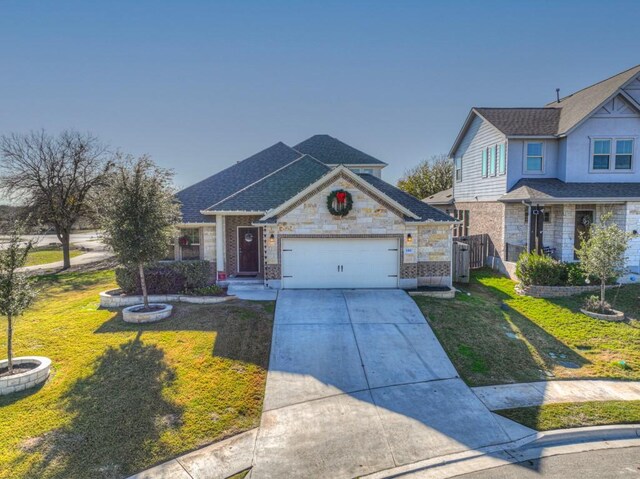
column 611, row 154
column 534, row 160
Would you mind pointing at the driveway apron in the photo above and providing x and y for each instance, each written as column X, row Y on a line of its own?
column 358, row 383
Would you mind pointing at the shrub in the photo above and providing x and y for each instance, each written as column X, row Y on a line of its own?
column 575, row 275
column 165, row 278
column 595, row 305
column 541, row 270
column 211, row 290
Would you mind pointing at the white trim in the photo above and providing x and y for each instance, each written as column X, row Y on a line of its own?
column 220, row 243
column 238, row 249
column 231, row 213
column 525, row 157
column 334, row 173
column 577, row 201
column 194, row 225
column 612, row 154
column 375, row 166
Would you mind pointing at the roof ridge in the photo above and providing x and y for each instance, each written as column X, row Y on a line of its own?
column 259, row 181
column 513, row 108
column 594, row 84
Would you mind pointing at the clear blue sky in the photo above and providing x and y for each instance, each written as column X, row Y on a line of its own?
column 200, row 85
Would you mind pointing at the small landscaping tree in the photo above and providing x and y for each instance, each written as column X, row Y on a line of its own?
column 16, row 292
column 139, row 214
column 602, row 252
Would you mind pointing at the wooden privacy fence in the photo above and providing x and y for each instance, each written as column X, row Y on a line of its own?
column 460, row 262
column 480, row 246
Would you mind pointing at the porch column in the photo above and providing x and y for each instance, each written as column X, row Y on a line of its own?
column 220, row 246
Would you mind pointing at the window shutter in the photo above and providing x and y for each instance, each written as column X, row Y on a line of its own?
column 484, row 162
column 501, row 159
column 492, row 161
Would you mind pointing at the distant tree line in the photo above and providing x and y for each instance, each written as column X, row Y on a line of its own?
column 430, row 176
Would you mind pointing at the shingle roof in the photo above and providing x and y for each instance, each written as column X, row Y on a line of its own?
column 332, row 151
column 578, row 105
column 541, row 189
column 523, row 121
column 275, row 189
column 202, row 195
column 444, row 197
column 413, row 204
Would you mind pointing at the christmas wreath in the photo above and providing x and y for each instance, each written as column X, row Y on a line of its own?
column 184, row 241
column 339, row 203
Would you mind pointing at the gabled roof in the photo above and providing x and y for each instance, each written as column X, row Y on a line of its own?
column 276, row 188
column 207, row 192
column 444, row 197
column 332, row 151
column 523, row 121
column 550, row 190
column 554, row 119
column 422, row 210
column 577, row 106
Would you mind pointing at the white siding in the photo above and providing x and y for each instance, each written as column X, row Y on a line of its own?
column 479, row 136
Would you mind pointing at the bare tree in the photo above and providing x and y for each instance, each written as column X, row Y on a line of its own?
column 428, row 177
column 54, row 176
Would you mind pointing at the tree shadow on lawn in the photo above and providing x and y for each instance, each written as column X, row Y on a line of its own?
column 119, row 414
column 243, row 328
column 552, row 351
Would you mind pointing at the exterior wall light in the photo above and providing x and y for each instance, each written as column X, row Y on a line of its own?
column 409, row 238
column 272, row 239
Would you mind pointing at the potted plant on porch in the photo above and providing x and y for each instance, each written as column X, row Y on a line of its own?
column 16, row 295
column 138, row 217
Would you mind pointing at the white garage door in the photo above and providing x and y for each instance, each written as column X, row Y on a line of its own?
column 340, row 263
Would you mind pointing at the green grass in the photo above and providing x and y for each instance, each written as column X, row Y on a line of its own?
column 475, row 331
column 561, row 416
column 123, row 397
column 48, row 254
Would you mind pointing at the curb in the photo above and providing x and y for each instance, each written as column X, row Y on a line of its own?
column 551, row 443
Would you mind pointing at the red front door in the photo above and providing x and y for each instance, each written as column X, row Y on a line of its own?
column 248, row 250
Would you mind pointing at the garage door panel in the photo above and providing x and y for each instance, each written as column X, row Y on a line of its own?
column 340, row 263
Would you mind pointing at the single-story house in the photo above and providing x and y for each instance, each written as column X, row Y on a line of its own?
column 316, row 215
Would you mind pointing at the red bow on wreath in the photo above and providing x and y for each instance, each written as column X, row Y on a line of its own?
column 341, row 197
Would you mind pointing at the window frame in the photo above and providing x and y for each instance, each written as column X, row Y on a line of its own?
column 198, row 244
column 458, row 169
column 526, row 156
column 501, row 160
column 613, row 155
column 491, row 155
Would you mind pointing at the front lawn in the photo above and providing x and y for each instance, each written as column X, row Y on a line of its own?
column 494, row 336
column 561, row 416
column 48, row 254
column 125, row 397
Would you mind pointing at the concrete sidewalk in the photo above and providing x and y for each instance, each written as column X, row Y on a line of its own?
column 84, row 259
column 509, row 396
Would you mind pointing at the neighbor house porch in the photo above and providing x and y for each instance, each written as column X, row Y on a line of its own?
column 556, row 229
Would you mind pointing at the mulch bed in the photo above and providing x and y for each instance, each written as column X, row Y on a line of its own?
column 18, row 368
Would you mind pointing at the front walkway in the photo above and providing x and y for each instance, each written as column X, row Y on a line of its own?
column 509, row 396
column 358, row 383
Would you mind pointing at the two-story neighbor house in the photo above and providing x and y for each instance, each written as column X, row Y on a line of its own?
column 315, row 215
column 536, row 178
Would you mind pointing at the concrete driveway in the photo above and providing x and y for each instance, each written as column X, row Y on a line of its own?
column 358, row 383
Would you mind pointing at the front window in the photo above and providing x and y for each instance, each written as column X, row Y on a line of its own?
column 535, row 157
column 624, row 153
column 463, row 228
column 189, row 242
column 458, row 169
column 601, row 154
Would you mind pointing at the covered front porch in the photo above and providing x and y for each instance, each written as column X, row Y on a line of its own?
column 556, row 229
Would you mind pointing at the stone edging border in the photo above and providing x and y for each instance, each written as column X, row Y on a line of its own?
column 617, row 316
column 435, row 294
column 27, row 379
column 122, row 300
column 130, row 315
column 537, row 291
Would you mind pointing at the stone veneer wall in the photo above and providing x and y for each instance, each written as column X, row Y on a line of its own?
column 632, row 224
column 428, row 255
column 231, row 224
column 487, row 217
